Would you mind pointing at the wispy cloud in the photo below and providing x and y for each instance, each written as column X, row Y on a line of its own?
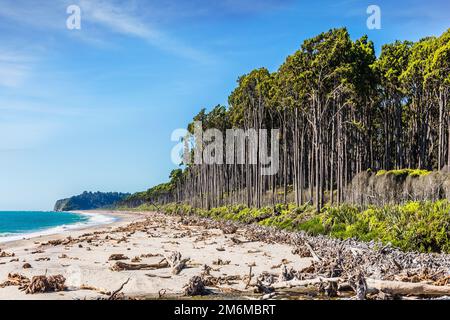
column 129, row 20
column 14, row 68
column 117, row 18
column 100, row 18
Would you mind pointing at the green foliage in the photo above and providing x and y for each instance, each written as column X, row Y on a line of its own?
column 387, row 111
column 405, row 172
column 414, row 226
column 418, row 226
column 393, row 62
column 90, row 200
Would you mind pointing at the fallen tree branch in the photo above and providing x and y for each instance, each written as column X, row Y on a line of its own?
column 313, row 253
column 249, row 278
column 114, row 295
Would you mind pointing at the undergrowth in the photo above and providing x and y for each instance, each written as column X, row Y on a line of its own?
column 414, row 226
column 404, row 172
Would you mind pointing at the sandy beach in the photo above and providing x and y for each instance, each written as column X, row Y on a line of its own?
column 83, row 257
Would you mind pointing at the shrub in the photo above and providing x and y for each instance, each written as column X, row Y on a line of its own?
column 404, row 172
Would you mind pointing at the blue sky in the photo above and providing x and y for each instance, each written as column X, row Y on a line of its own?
column 93, row 109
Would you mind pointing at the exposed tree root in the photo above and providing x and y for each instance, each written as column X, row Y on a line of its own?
column 42, row 284
column 15, row 279
column 176, row 262
column 195, row 287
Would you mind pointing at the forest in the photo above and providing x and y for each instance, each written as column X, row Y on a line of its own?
column 90, row 200
column 341, row 110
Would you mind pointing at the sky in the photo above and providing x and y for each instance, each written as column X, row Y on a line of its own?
column 93, row 109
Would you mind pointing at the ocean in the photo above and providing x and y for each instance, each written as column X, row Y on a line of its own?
column 16, row 225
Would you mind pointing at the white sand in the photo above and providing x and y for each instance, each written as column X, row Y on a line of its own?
column 89, row 265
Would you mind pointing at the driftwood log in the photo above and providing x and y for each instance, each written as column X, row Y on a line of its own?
column 303, row 283
column 372, row 286
column 407, row 288
column 122, row 266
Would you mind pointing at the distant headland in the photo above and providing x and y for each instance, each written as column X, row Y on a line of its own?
column 89, row 201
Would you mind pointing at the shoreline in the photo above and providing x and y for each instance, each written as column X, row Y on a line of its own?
column 96, row 218
column 138, row 255
column 83, row 257
column 120, row 218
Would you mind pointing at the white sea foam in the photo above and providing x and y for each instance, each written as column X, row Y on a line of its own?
column 95, row 219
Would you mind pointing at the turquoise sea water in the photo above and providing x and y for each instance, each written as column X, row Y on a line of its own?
column 16, row 224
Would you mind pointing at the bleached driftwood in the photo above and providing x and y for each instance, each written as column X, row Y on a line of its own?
column 121, row 266
column 407, row 288
column 374, row 286
column 176, row 262
column 303, row 283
